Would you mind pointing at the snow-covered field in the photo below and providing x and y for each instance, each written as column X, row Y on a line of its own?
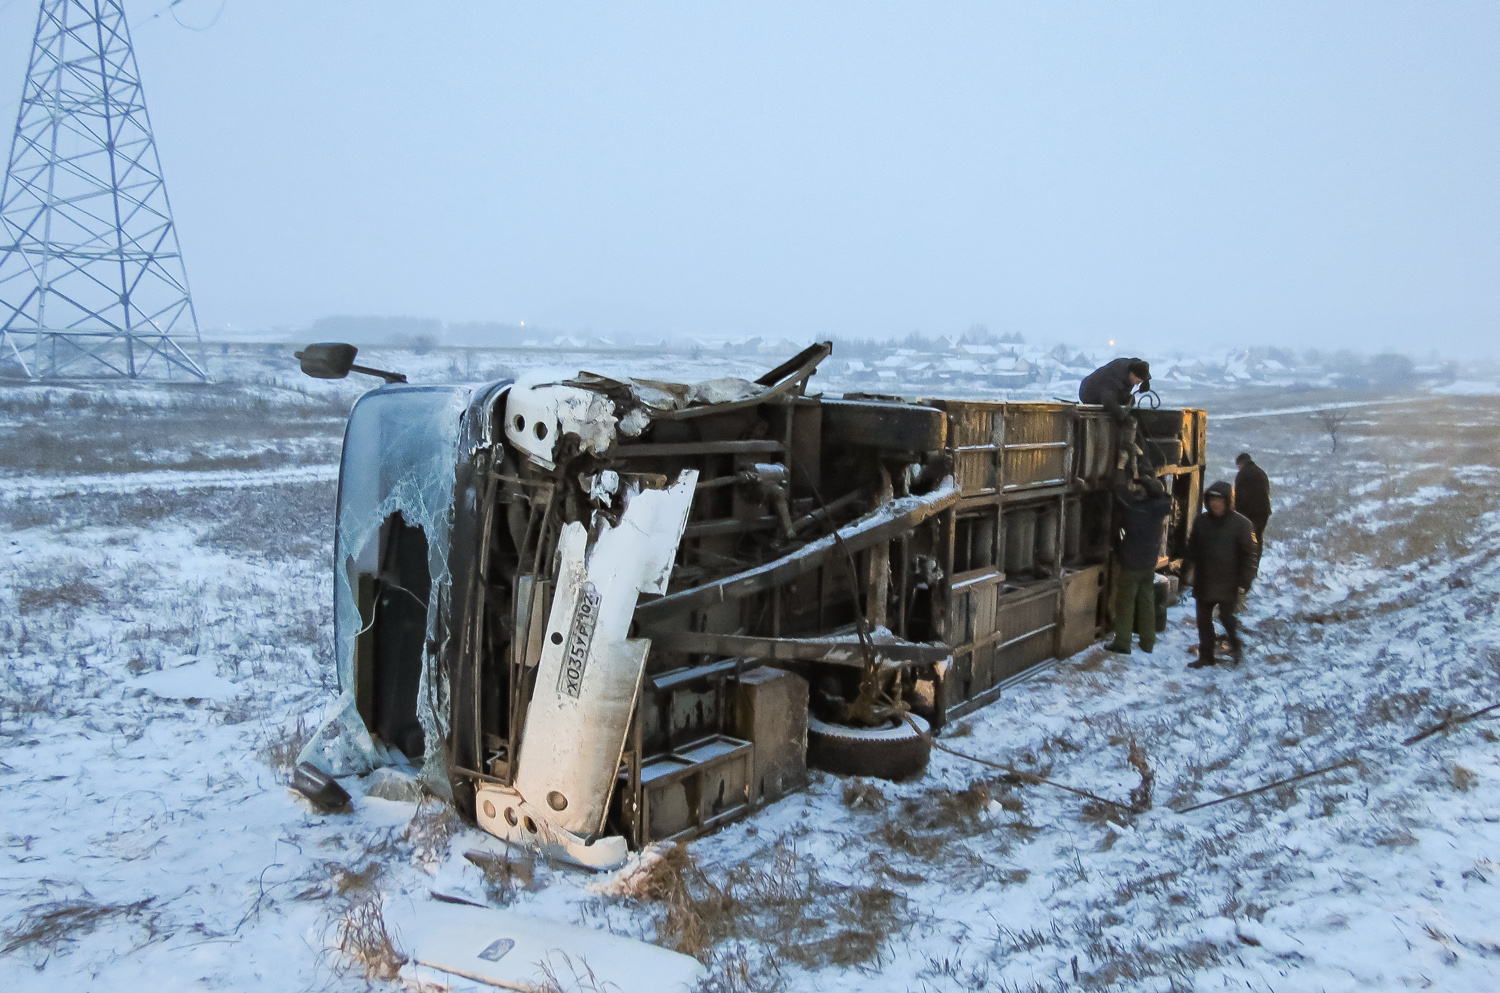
column 165, row 614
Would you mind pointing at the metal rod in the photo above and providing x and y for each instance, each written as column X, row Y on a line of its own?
column 1270, row 786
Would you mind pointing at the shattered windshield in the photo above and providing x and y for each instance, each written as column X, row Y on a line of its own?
column 397, row 479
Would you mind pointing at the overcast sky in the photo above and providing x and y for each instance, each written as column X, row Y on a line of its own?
column 1304, row 174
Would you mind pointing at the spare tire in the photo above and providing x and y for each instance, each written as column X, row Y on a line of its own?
column 892, row 751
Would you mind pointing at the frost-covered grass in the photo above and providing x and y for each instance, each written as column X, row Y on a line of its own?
column 164, row 648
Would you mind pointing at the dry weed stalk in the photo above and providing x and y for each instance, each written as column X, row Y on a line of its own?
column 364, row 938
column 431, row 828
column 503, row 875
column 1140, row 796
column 682, row 928
column 584, row 981
column 284, row 745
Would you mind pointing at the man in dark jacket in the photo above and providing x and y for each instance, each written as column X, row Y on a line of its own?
column 1111, row 385
column 1222, row 556
column 1252, row 495
column 1146, row 506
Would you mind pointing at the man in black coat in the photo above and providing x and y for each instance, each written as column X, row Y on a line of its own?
column 1143, row 521
column 1222, row 557
column 1252, row 495
column 1112, row 383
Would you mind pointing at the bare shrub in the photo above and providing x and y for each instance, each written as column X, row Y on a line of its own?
column 1332, row 422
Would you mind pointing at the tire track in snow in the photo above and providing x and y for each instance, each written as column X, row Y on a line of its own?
column 169, row 480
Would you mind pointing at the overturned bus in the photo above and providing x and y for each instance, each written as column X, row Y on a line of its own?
column 598, row 613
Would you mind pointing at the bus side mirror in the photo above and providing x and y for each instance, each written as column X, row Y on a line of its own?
column 328, row 360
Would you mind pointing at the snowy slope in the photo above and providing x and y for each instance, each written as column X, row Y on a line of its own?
column 166, row 630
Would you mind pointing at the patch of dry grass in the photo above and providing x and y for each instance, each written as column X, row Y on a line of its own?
column 76, row 592
column 48, row 928
column 732, row 971
column 777, row 899
column 431, row 829
column 361, row 935
column 505, row 875
column 860, row 795
column 282, row 747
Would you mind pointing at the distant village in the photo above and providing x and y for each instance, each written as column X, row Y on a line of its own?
column 977, row 359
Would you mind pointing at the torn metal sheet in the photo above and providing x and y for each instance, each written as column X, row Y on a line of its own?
column 590, row 670
column 539, row 412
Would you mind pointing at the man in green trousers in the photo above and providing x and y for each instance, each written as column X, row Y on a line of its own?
column 1145, row 507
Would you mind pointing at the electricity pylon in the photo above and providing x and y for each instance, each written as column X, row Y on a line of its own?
column 91, row 277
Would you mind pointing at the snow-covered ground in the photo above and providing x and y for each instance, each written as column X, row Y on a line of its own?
column 165, row 621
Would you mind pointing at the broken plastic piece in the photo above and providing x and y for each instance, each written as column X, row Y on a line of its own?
column 518, row 952
column 322, row 789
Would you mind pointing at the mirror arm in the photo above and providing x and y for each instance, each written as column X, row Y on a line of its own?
column 389, row 377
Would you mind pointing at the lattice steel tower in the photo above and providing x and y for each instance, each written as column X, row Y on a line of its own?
column 91, row 277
